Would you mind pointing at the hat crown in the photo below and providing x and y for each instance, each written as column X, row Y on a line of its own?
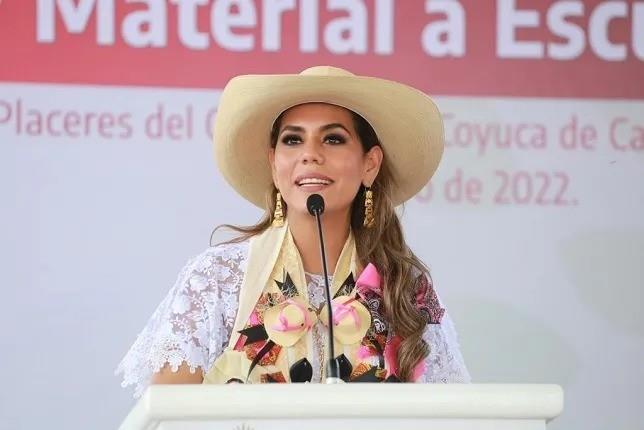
column 294, row 314
column 325, row 71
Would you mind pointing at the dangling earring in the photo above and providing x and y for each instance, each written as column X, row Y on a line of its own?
column 278, row 216
column 369, row 219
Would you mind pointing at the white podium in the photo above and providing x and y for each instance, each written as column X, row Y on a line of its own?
column 346, row 406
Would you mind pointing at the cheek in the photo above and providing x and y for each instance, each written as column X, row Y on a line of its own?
column 350, row 170
column 283, row 169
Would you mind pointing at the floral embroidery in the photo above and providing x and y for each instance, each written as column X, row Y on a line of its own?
column 210, row 284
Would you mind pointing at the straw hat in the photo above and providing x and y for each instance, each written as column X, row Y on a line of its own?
column 287, row 322
column 406, row 121
column 351, row 319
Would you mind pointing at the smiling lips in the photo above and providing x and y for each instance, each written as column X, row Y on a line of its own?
column 313, row 181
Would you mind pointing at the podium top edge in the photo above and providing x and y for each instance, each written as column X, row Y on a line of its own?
column 526, row 401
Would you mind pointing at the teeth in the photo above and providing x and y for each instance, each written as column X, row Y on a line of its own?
column 313, row 181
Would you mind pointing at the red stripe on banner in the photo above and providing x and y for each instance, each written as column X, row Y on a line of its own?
column 553, row 49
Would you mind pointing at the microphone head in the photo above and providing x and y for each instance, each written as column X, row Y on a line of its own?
column 315, row 204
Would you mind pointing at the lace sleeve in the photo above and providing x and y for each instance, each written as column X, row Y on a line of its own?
column 444, row 364
column 194, row 320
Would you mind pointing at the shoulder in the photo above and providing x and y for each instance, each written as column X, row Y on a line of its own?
column 222, row 252
column 216, row 271
column 218, row 261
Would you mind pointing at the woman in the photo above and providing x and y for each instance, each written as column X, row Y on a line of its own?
column 252, row 310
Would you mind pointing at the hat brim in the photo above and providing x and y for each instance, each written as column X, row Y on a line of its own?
column 346, row 332
column 406, row 121
column 294, row 315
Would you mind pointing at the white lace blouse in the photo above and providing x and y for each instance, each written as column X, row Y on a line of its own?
column 194, row 321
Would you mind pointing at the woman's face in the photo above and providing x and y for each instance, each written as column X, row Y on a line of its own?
column 319, row 151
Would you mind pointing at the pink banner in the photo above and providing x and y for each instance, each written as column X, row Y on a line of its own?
column 507, row 47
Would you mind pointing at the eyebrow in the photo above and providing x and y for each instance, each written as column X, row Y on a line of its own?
column 323, row 128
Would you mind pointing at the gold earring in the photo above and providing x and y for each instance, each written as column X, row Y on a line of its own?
column 278, row 216
column 369, row 219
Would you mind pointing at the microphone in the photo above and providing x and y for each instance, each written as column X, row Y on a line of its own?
column 315, row 206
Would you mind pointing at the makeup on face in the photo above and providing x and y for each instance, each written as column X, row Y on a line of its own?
column 317, row 152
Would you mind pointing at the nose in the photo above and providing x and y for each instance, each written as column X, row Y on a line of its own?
column 312, row 153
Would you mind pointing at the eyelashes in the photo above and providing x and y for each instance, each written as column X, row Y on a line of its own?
column 294, row 139
column 290, row 139
column 335, row 139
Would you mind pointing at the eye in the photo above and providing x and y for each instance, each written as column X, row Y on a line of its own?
column 335, row 139
column 291, row 139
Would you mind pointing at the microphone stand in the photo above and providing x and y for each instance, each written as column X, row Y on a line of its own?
column 315, row 205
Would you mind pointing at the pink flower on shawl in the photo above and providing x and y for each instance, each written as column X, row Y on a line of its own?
column 369, row 281
column 364, row 352
column 391, row 360
column 254, row 318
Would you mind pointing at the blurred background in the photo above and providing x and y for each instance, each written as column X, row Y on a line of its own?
column 533, row 226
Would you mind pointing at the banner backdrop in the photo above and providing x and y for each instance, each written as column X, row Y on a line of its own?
column 533, row 226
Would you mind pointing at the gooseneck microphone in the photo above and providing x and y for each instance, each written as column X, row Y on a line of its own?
column 315, row 205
